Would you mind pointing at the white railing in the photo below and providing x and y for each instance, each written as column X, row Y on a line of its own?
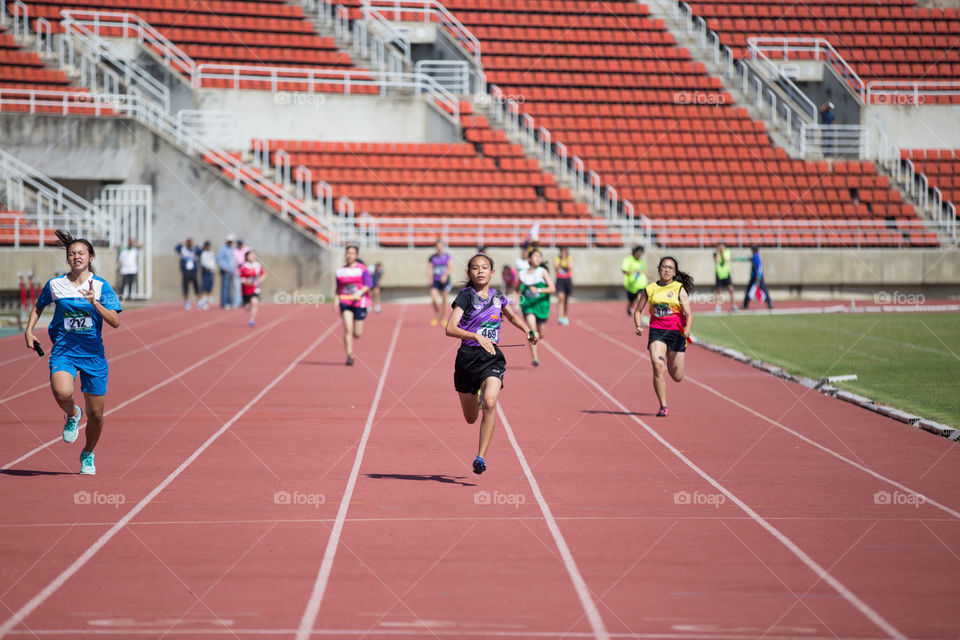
column 553, row 154
column 478, row 231
column 158, row 120
column 428, row 11
column 803, row 48
column 386, row 30
column 84, row 49
column 909, row 92
column 48, row 205
column 838, row 140
column 798, row 233
column 917, row 186
column 365, row 43
column 116, row 24
column 130, row 207
column 457, row 76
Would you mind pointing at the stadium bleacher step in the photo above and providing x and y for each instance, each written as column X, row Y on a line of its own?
column 679, row 32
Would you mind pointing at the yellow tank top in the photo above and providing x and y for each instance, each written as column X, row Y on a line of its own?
column 665, row 309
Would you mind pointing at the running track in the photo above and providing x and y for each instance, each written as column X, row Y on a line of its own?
column 250, row 485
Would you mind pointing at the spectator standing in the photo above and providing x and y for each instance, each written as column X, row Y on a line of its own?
column 226, row 262
column 757, row 289
column 564, row 267
column 189, row 266
column 721, row 265
column 827, row 117
column 129, row 261
column 634, row 269
column 208, row 267
column 377, row 275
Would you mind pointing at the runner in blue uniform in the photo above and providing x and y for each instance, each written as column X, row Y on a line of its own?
column 83, row 301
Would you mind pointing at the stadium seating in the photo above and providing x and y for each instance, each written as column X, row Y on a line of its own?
column 21, row 69
column 16, row 230
column 889, row 40
column 485, row 176
column 942, row 168
column 609, row 82
column 265, row 33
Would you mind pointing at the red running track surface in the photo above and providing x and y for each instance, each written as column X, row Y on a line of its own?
column 251, row 485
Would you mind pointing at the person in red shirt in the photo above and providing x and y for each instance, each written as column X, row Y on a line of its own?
column 251, row 276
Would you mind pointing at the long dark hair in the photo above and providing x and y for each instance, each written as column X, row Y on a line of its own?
column 679, row 276
column 67, row 241
column 469, row 281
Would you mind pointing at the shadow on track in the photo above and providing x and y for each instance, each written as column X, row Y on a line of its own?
column 32, row 472
column 619, row 413
column 433, row 478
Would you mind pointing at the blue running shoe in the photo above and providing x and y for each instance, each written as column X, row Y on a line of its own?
column 72, row 426
column 87, row 467
column 479, row 466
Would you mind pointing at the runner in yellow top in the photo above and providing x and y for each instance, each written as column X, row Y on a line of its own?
column 634, row 269
column 670, row 320
column 721, row 265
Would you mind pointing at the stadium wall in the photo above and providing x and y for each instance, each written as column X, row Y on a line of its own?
column 292, row 115
column 929, row 126
column 190, row 198
column 790, row 273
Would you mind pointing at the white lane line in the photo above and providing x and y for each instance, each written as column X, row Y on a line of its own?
column 326, row 566
column 579, row 584
column 839, row 456
column 125, row 354
column 163, row 383
column 24, row 611
column 821, row 573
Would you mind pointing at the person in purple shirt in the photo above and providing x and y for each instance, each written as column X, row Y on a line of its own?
column 476, row 318
column 438, row 269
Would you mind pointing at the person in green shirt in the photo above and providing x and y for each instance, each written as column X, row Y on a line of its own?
column 721, row 264
column 634, row 269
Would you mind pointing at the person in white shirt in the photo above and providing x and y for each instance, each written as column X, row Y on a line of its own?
column 129, row 261
column 208, row 267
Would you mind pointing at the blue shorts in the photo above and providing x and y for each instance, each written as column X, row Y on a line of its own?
column 93, row 371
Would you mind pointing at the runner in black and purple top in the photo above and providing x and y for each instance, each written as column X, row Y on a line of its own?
column 438, row 268
column 477, row 315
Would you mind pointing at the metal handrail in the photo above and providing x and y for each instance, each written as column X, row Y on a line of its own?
column 742, row 233
column 160, row 121
column 55, row 206
column 409, row 230
column 428, row 10
column 818, row 46
column 133, row 26
column 80, row 41
column 909, row 92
